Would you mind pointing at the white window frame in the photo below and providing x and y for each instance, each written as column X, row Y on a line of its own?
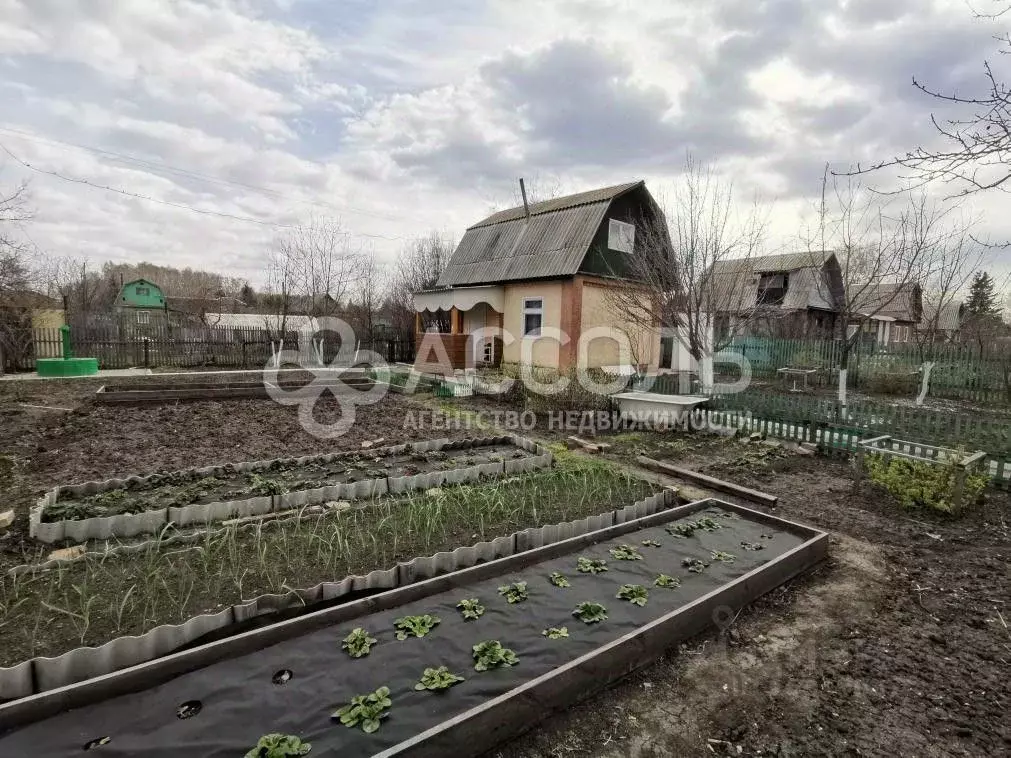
column 530, row 310
column 620, row 236
column 143, row 317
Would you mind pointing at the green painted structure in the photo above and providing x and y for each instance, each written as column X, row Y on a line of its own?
column 68, row 365
column 140, row 293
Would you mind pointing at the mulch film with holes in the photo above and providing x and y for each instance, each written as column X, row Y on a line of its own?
column 294, row 687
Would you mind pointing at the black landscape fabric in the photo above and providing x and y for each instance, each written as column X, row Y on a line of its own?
column 239, row 701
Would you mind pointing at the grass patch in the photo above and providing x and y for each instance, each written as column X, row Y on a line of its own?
column 98, row 598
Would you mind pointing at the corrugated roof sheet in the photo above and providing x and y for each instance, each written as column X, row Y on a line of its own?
column 553, row 242
column 604, row 194
column 736, row 281
column 949, row 318
column 769, row 263
column 899, row 301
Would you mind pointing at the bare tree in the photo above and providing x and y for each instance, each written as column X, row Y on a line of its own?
column 882, row 245
column 948, row 265
column 418, row 268
column 674, row 280
column 16, row 275
column 975, row 147
column 321, row 265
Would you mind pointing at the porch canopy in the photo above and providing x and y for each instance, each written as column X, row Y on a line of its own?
column 460, row 298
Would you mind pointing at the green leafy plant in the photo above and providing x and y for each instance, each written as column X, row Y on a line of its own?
column 556, row 632
column 262, row 485
column 688, row 528
column 927, row 485
column 367, row 710
column 751, row 545
column 694, row 565
column 471, row 609
column 491, row 655
column 719, row 555
column 279, row 746
column 358, row 643
column 514, row 593
column 590, row 565
column 590, row 613
column 651, row 543
column 670, row 582
column 636, row 594
column 437, row 679
column 558, row 579
column 415, row 626
column 625, row 553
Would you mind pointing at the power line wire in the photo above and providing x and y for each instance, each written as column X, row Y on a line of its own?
column 189, row 173
column 183, row 206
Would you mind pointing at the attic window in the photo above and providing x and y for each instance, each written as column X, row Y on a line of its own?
column 620, row 236
column 772, row 288
column 145, row 291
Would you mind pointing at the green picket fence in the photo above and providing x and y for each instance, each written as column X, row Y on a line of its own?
column 817, row 420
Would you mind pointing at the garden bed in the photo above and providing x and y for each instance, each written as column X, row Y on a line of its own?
column 154, row 393
column 290, row 677
column 146, row 505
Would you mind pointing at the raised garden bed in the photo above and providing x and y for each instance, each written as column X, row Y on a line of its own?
column 153, row 393
column 295, row 678
column 146, row 505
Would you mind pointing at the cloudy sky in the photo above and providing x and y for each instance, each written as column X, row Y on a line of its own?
column 403, row 116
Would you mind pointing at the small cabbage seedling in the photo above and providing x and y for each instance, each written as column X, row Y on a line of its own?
column 694, row 565
column 670, row 582
column 651, row 543
column 415, row 626
column 262, row 485
column 719, row 555
column 367, row 710
column 591, row 566
column 688, row 528
column 636, row 594
column 590, row 613
column 558, row 579
column 626, row 553
column 556, row 632
column 471, row 609
column 515, row 592
column 751, row 545
column 437, row 679
column 358, row 643
column 491, row 655
column 279, row 746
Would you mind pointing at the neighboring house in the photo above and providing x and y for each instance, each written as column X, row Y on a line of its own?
column 197, row 308
column 536, row 272
column 948, row 321
column 889, row 312
column 28, row 321
column 791, row 295
column 142, row 302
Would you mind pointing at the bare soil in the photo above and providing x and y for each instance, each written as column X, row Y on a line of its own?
column 898, row 645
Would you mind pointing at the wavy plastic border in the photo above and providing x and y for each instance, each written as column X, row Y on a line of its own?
column 43, row 674
column 153, row 522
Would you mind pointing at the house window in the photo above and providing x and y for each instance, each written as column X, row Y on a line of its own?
column 533, row 316
column 143, row 291
column 143, row 317
column 772, row 288
column 620, row 236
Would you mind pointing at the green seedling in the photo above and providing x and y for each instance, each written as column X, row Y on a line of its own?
column 751, row 545
column 694, row 565
column 625, row 553
column 636, row 594
column 651, row 543
column 556, row 632
column 686, row 529
column 670, row 582
column 491, row 655
column 590, row 565
column 590, row 613
column 437, row 679
column 415, row 626
column 515, row 592
column 367, row 710
column 358, row 643
column 262, row 485
column 558, row 579
column 719, row 555
column 279, row 746
column 471, row 609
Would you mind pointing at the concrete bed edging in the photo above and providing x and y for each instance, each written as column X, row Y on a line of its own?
column 42, row 674
column 153, row 522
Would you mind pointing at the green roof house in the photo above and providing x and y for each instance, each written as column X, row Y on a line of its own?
column 144, row 298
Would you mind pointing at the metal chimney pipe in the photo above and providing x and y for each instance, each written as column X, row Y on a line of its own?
column 523, row 191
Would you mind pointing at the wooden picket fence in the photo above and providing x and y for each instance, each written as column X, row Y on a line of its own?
column 118, row 347
column 818, row 420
